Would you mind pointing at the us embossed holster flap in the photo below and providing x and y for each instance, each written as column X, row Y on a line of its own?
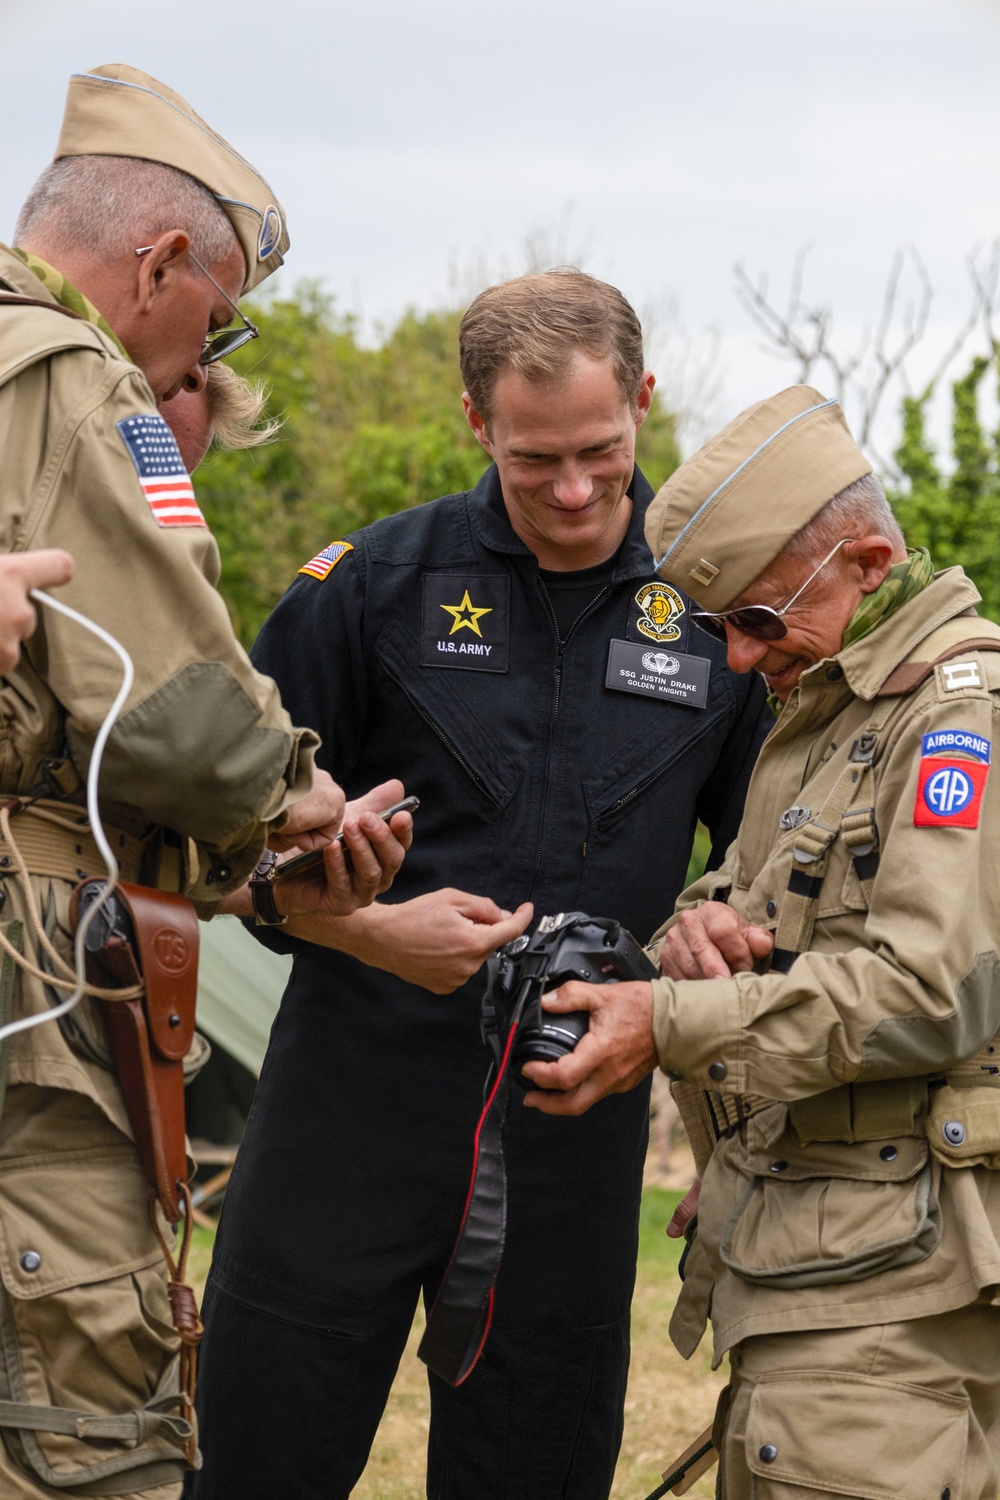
column 148, row 937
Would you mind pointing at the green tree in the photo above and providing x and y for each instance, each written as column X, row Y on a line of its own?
column 367, row 431
column 956, row 514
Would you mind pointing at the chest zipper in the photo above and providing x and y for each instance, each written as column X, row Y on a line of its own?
column 451, row 747
column 560, row 652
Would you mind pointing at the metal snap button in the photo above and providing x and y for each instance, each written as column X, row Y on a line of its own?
column 779, row 1166
column 888, row 1153
column 772, row 908
column 31, row 1261
column 946, row 1493
column 953, row 1132
column 768, row 1453
column 834, row 673
column 718, row 1071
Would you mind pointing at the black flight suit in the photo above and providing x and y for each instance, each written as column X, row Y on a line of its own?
column 536, row 782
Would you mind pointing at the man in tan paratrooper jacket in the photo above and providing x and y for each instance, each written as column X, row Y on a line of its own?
column 830, row 1006
column 129, row 257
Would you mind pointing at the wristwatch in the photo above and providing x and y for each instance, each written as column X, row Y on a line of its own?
column 265, row 910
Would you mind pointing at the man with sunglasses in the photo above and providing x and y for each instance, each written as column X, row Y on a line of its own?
column 830, row 1007
column 130, row 255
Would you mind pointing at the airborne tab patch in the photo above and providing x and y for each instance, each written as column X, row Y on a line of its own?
column 164, row 480
column 324, row 562
column 944, row 740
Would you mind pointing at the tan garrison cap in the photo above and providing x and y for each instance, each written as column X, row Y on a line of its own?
column 728, row 511
column 118, row 111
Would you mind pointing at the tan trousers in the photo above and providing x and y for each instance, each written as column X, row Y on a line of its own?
column 898, row 1411
column 85, row 1313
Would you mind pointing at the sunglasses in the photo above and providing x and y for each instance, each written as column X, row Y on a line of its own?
column 227, row 340
column 759, row 621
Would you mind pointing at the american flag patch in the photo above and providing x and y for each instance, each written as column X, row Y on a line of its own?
column 320, row 565
column 165, row 481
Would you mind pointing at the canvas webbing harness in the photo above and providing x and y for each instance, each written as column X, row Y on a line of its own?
column 886, row 1107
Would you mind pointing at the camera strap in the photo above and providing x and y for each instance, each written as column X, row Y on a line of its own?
column 459, row 1320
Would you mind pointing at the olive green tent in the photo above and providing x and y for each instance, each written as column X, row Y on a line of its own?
column 240, row 984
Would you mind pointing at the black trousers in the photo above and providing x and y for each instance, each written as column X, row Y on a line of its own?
column 340, row 1215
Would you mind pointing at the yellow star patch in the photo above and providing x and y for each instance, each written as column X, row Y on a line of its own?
column 466, row 614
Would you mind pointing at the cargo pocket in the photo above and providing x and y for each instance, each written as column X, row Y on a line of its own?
column 832, row 1212
column 822, row 1432
column 88, row 1373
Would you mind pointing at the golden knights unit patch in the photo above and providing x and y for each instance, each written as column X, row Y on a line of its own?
column 324, row 562
column 660, row 608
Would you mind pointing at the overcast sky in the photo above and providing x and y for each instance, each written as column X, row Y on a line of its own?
column 658, row 143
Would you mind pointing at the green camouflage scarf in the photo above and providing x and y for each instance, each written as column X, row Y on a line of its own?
column 902, row 582
column 67, row 296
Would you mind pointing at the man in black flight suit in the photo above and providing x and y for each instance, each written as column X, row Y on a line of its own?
column 510, row 654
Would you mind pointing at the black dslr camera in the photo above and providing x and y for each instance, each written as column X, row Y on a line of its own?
column 568, row 946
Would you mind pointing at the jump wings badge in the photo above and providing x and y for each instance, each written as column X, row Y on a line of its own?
column 660, row 608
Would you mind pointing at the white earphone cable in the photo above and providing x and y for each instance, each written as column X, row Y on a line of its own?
column 93, row 813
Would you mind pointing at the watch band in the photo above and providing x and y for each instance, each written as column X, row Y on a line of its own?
column 265, row 909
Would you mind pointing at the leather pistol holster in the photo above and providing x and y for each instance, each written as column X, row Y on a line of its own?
column 148, row 937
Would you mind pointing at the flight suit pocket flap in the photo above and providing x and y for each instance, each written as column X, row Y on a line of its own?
column 54, row 1220
column 826, row 1230
column 855, row 1435
column 439, row 701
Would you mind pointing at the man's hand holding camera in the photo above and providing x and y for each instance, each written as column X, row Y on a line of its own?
column 708, row 942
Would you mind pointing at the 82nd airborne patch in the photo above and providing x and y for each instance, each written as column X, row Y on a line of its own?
column 660, row 609
column 949, row 792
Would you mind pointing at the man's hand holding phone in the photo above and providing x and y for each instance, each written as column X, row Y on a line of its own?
column 356, row 864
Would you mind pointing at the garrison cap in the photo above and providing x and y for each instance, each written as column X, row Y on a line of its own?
column 116, row 110
column 731, row 508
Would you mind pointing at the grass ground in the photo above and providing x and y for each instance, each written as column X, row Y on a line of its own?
column 669, row 1401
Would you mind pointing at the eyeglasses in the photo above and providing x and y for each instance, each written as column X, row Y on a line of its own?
column 759, row 621
column 227, row 340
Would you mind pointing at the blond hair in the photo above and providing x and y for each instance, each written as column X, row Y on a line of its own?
column 535, row 325
column 236, row 405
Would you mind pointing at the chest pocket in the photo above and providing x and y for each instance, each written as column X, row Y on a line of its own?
column 443, row 707
column 677, row 733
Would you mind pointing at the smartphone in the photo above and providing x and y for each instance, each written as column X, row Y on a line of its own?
column 291, row 869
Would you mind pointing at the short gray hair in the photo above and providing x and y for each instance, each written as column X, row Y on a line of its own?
column 858, row 510
column 108, row 204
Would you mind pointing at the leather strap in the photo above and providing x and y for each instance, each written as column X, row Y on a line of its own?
column 265, row 908
column 19, row 301
column 910, row 675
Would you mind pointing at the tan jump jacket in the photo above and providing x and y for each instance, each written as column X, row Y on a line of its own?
column 857, row 1096
column 201, row 764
